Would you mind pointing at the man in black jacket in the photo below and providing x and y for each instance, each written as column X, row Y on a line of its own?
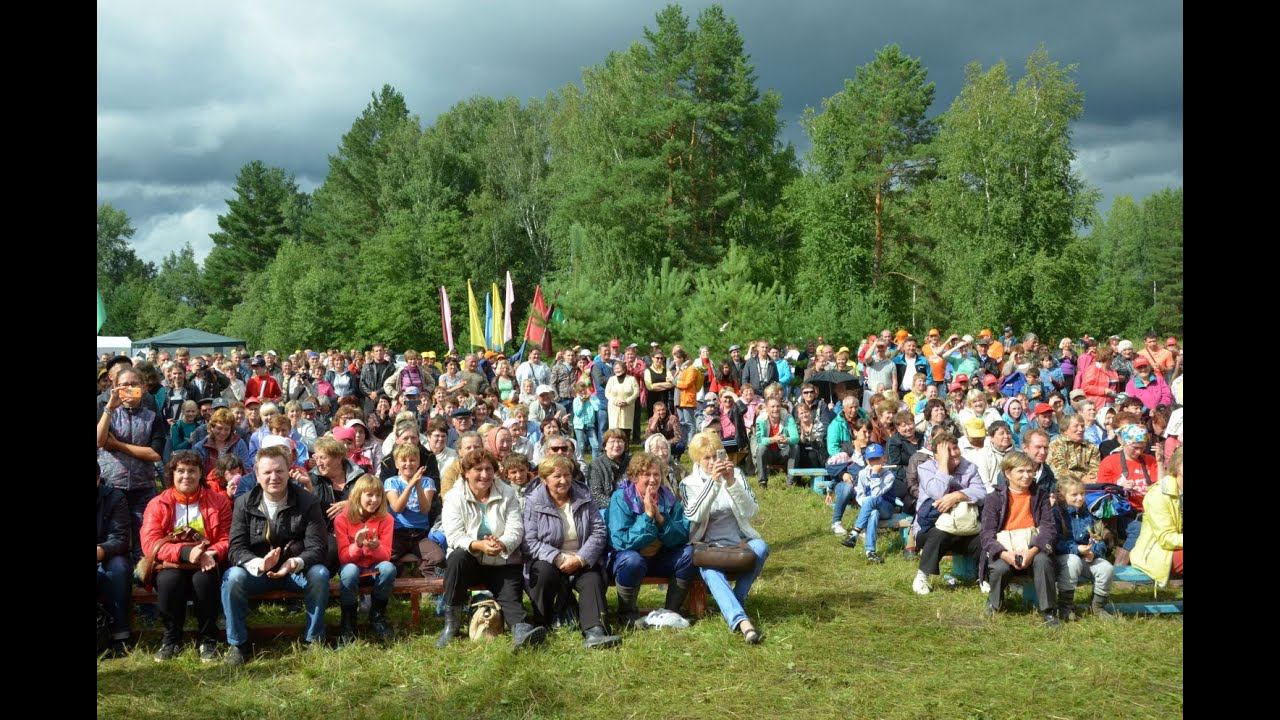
column 760, row 372
column 115, row 576
column 278, row 542
column 372, row 377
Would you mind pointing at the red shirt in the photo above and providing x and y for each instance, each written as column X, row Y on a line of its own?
column 349, row 552
column 263, row 388
column 1109, row 472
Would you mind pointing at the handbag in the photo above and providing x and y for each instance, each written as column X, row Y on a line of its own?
column 486, row 621
column 961, row 520
column 1016, row 540
column 145, row 571
column 725, row 559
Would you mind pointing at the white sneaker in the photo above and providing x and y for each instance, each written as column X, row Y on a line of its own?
column 985, row 587
column 921, row 584
column 838, row 529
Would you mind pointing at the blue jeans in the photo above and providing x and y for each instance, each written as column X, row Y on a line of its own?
column 115, row 579
column 238, row 585
column 869, row 516
column 844, row 498
column 730, row 600
column 686, row 416
column 630, row 567
column 349, row 576
column 1130, row 526
column 588, row 438
column 138, row 498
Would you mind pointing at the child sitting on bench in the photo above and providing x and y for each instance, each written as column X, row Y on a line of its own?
column 874, row 491
column 1080, row 551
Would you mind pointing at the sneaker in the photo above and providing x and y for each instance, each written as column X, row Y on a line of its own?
column 874, row 557
column 851, row 540
column 116, row 650
column 921, row 584
column 1051, row 619
column 838, row 529
column 237, row 655
column 167, row 652
column 208, row 651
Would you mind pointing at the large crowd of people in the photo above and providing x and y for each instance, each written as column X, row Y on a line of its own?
column 221, row 477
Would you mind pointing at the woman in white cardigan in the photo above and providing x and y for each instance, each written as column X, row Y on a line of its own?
column 719, row 507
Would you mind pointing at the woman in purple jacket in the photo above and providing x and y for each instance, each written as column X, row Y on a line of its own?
column 564, row 545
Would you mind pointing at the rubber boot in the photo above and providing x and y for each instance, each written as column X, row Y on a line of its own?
column 378, row 619
column 627, row 612
column 1099, row 607
column 347, row 630
column 452, row 621
column 676, row 593
column 1066, row 603
column 598, row 638
column 526, row 635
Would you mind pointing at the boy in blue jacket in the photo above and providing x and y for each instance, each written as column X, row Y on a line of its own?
column 1079, row 553
column 874, row 492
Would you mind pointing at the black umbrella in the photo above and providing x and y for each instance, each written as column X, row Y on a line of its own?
column 828, row 379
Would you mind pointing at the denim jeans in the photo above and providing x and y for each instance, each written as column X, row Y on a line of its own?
column 730, row 600
column 844, row 492
column 349, row 577
column 588, row 437
column 630, row 567
column 138, row 498
column 869, row 516
column 115, row 580
column 687, row 418
column 238, row 586
column 1130, row 526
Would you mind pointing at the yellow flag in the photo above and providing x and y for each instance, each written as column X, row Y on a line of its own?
column 476, row 324
column 495, row 330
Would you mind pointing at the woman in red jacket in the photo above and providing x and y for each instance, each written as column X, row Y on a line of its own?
column 1098, row 380
column 364, row 537
column 191, row 525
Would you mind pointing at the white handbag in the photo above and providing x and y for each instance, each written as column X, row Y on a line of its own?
column 961, row 520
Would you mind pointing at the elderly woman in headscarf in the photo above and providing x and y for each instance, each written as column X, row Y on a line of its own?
column 1015, row 416
column 1135, row 470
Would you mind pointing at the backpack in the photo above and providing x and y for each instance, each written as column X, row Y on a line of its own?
column 1106, row 501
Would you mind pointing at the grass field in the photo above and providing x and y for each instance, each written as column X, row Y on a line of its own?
column 843, row 640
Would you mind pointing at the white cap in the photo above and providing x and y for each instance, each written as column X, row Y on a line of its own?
column 544, row 388
column 276, row 441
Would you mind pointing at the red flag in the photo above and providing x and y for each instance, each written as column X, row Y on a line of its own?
column 536, row 330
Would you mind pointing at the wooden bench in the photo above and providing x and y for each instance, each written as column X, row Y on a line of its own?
column 414, row 588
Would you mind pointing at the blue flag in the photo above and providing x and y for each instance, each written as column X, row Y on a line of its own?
column 488, row 321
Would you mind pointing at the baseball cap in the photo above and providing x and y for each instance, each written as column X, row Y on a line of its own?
column 276, row 441
column 357, row 421
column 430, row 353
column 411, row 390
column 874, row 450
column 257, row 362
column 974, row 428
column 252, row 401
column 308, row 406
column 734, row 347
column 1172, row 341
column 460, row 412
column 584, row 353
column 220, row 403
column 934, row 332
column 544, row 389
column 989, row 380
column 1141, row 361
column 344, row 432
column 1077, row 394
column 1043, row 408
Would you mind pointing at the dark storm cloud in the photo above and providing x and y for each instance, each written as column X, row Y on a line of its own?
column 188, row 93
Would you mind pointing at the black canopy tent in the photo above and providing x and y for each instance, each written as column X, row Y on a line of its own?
column 197, row 341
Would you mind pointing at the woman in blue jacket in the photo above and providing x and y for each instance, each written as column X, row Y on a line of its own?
column 650, row 534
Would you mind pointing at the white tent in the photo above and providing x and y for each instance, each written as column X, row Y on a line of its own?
column 114, row 344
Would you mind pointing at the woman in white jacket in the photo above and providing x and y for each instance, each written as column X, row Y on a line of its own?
column 483, row 524
column 622, row 392
column 719, row 507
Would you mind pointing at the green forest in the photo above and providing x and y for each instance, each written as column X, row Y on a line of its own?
column 653, row 200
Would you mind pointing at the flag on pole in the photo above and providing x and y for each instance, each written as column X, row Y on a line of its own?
column 446, row 318
column 506, row 310
column 495, row 333
column 488, row 322
column 474, row 322
column 102, row 311
column 536, row 329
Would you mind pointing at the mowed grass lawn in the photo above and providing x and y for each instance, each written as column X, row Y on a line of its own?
column 844, row 639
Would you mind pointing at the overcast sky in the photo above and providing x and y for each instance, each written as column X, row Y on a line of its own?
column 188, row 92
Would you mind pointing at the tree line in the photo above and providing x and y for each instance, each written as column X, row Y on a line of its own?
column 654, row 199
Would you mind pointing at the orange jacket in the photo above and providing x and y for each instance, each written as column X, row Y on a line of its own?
column 689, row 384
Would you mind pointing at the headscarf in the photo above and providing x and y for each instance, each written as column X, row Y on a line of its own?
column 1132, row 434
